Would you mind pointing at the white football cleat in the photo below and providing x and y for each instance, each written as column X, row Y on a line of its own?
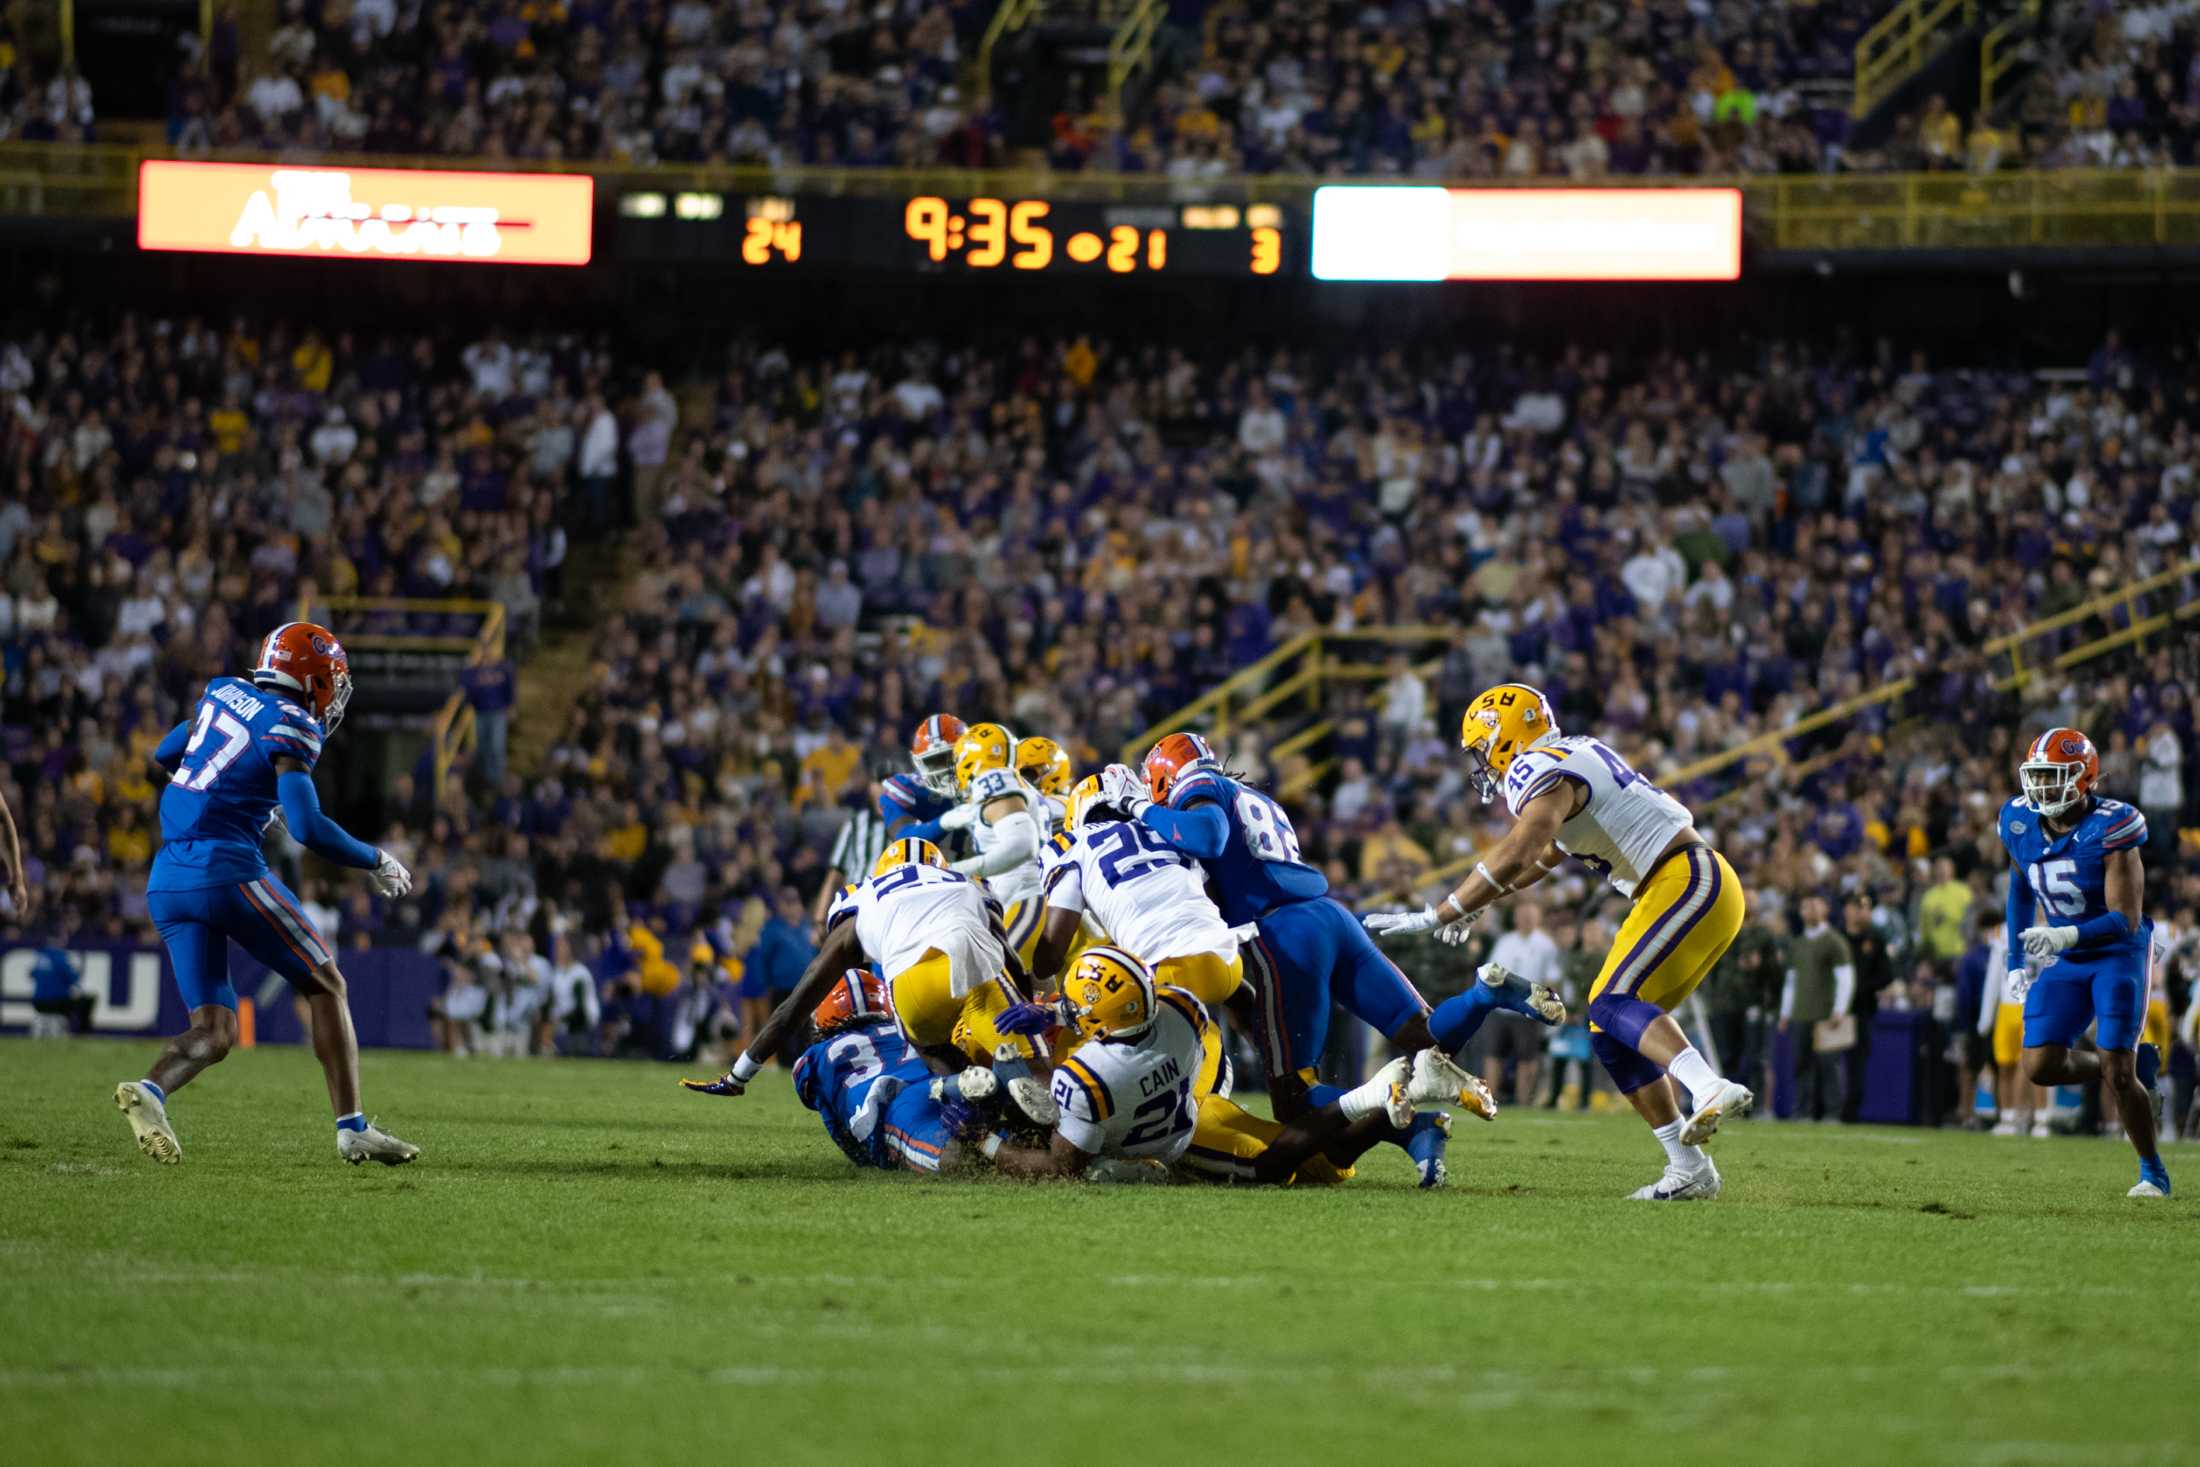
column 1677, row 1186
column 148, row 1118
column 2146, row 1189
column 975, row 1083
column 1389, row 1088
column 2006, row 1126
column 374, row 1145
column 1438, row 1081
column 1729, row 1100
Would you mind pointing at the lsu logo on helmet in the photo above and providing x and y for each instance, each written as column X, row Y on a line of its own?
column 860, row 997
column 1108, row 992
column 1082, row 798
column 983, row 749
column 1175, row 755
column 1042, row 764
column 908, row 851
column 1497, row 726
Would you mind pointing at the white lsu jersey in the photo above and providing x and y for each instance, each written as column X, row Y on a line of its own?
column 912, row 911
column 1625, row 824
column 1134, row 1095
column 1150, row 900
column 1022, row 882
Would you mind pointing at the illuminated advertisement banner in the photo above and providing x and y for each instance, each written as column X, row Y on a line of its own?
column 1413, row 233
column 367, row 213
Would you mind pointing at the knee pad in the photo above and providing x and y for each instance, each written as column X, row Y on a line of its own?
column 1623, row 1016
column 1629, row 1070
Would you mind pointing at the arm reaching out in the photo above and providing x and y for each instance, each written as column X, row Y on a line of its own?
column 314, row 830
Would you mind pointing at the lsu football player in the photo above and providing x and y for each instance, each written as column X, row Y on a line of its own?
column 1138, row 1086
column 1003, row 816
column 1572, row 795
column 1150, row 900
column 869, row 1086
column 1042, row 764
column 2076, row 891
column 1308, row 954
column 936, row 936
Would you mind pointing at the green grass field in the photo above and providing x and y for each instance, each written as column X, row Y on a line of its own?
column 589, row 1265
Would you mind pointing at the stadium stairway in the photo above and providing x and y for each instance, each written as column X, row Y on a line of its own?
column 557, row 671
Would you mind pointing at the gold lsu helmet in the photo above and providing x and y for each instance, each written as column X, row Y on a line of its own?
column 908, row 851
column 1496, row 727
column 1082, row 797
column 1108, row 992
column 1042, row 764
column 983, row 748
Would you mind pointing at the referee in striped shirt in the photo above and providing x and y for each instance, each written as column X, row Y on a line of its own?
column 855, row 850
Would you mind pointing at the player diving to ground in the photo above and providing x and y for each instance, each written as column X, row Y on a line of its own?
column 1308, row 953
column 1574, row 796
column 936, row 936
column 871, row 1088
column 249, row 748
column 2074, row 856
column 1139, row 1087
column 1005, row 818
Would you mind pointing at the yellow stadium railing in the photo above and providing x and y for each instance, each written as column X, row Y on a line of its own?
column 1011, row 17
column 2019, row 209
column 1131, row 47
column 451, row 731
column 1897, row 48
column 1998, row 51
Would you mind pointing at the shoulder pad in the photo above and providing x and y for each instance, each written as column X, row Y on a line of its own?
column 1207, row 784
column 1080, row 1092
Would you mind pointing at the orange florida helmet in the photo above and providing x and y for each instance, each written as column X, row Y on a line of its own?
column 305, row 659
column 1176, row 754
column 932, row 752
column 858, row 998
column 2059, row 771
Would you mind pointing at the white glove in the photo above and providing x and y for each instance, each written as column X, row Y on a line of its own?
column 2045, row 942
column 1400, row 924
column 390, row 876
column 1119, row 786
column 1457, row 932
column 959, row 818
column 2017, row 985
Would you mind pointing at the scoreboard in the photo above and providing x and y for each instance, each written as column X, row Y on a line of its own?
column 800, row 234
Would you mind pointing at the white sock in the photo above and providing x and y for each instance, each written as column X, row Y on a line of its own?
column 1365, row 1100
column 1680, row 1158
column 1695, row 1074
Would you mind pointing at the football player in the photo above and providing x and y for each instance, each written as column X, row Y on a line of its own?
column 1308, row 953
column 1574, row 796
column 1137, row 1087
column 872, row 1091
column 936, row 935
column 2076, row 889
column 1004, row 818
column 1042, row 765
column 244, row 756
column 909, row 804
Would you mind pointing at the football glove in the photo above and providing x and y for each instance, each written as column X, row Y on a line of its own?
column 1400, row 924
column 1121, row 787
column 390, row 876
column 1454, row 933
column 1027, row 1019
column 2046, row 942
column 959, row 818
column 2019, row 983
column 724, row 1085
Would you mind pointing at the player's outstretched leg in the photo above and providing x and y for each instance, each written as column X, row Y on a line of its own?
column 1455, row 1021
column 144, row 1103
column 337, row 1048
column 1347, row 1127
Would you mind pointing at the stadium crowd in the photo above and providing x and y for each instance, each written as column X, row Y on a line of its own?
column 1462, row 89
column 1077, row 538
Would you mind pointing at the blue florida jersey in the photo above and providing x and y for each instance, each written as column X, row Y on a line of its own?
column 903, row 798
column 850, row 1078
column 2063, row 879
column 1259, row 868
column 217, row 807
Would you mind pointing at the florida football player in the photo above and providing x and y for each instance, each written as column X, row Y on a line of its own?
column 245, row 754
column 1005, row 818
column 2076, row 889
column 869, row 1087
column 1575, row 796
column 1308, row 953
column 1139, row 1086
column 936, row 936
column 911, row 804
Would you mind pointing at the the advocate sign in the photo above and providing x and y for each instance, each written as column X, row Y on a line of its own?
column 367, row 213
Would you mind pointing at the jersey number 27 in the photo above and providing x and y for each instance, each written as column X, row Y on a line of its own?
column 235, row 737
